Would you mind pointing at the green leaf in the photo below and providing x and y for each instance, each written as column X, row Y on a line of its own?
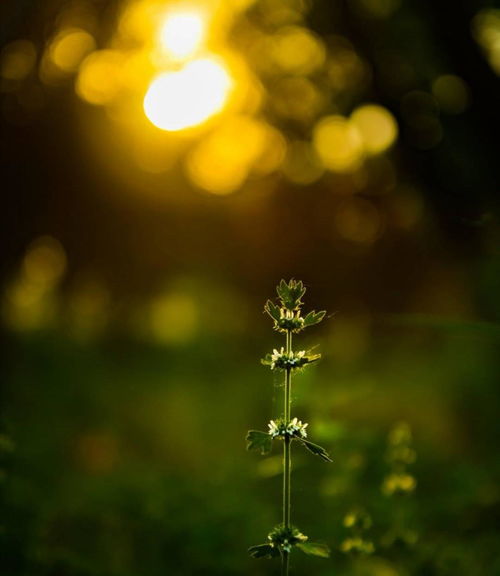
column 291, row 293
column 316, row 449
column 313, row 317
column 272, row 310
column 257, row 440
column 314, row 549
column 263, row 551
column 310, row 358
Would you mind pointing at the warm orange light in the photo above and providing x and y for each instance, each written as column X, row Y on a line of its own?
column 183, row 99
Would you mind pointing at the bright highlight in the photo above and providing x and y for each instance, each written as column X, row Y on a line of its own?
column 182, row 34
column 183, row 99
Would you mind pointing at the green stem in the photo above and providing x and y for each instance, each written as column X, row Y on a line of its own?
column 287, row 465
column 285, row 557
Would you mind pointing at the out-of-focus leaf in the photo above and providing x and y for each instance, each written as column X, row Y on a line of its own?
column 316, row 449
column 263, row 551
column 257, row 440
column 314, row 549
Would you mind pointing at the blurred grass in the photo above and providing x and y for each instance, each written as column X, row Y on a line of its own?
column 129, row 458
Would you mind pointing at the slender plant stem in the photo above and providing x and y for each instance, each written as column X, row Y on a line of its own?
column 285, row 558
column 287, row 456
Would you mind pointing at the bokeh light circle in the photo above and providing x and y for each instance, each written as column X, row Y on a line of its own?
column 188, row 97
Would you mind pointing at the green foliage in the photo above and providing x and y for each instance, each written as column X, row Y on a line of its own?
column 291, row 294
column 257, row 440
column 313, row 318
column 316, row 449
column 263, row 551
column 273, row 310
column 314, row 549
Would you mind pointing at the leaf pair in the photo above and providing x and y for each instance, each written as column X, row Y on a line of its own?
column 310, row 548
column 263, row 442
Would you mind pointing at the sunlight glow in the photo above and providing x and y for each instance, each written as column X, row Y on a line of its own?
column 182, row 34
column 183, row 99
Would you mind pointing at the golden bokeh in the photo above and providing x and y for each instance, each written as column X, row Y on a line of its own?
column 174, row 318
column 137, row 21
column 296, row 50
column 377, row 126
column 338, row 143
column 44, row 262
column 345, row 70
column 100, row 77
column 270, row 154
column 486, row 31
column 357, row 220
column 30, row 302
column 69, row 48
column 377, row 9
column 221, row 162
column 277, row 13
column 297, row 98
column 302, row 165
column 452, row 93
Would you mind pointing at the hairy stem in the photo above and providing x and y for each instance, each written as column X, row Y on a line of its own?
column 287, row 464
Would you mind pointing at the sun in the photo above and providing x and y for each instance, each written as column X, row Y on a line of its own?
column 182, row 34
column 188, row 97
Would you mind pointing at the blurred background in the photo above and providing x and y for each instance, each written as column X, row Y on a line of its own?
column 164, row 165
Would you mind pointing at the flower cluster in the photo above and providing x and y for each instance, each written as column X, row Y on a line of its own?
column 284, row 538
column 286, row 320
column 281, row 360
column 280, row 428
column 289, row 320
